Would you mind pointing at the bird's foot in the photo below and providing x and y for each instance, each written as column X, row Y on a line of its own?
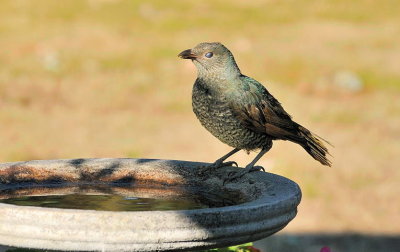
column 232, row 176
column 212, row 167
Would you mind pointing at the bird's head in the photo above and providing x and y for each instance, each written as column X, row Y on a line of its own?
column 212, row 60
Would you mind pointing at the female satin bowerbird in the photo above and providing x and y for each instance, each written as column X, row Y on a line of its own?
column 240, row 111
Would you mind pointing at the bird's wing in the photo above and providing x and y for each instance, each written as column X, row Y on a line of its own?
column 258, row 110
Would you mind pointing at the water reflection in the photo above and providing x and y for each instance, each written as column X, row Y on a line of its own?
column 116, row 198
column 111, row 202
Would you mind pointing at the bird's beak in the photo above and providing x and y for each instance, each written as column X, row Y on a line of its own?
column 187, row 54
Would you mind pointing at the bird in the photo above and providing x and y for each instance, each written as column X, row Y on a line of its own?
column 240, row 111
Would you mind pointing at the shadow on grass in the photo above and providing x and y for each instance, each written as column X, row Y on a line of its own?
column 337, row 242
column 310, row 242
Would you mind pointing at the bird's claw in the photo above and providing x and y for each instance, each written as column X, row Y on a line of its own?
column 216, row 165
column 229, row 163
column 232, row 176
column 257, row 168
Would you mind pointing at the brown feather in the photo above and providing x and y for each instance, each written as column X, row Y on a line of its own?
column 266, row 115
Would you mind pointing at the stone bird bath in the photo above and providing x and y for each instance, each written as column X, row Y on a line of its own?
column 256, row 206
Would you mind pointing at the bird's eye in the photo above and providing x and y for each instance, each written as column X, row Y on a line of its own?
column 209, row 54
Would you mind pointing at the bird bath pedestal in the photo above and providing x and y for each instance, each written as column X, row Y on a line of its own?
column 254, row 207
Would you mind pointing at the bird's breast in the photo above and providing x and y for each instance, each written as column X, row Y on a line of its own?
column 214, row 113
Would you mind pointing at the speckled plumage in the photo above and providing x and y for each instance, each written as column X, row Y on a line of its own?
column 240, row 111
column 214, row 113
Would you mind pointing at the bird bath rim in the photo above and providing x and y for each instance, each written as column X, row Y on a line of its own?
column 268, row 212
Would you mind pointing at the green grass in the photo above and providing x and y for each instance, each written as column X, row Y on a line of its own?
column 379, row 80
column 149, row 30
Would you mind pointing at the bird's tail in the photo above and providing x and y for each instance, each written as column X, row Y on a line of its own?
column 314, row 145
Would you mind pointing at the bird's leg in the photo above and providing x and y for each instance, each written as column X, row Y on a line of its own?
column 220, row 162
column 250, row 167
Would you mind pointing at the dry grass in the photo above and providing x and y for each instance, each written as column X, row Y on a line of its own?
column 101, row 79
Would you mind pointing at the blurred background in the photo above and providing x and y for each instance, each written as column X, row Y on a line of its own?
column 101, row 78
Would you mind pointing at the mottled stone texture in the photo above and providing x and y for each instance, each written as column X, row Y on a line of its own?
column 265, row 204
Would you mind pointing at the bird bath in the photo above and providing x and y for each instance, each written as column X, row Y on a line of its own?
column 202, row 211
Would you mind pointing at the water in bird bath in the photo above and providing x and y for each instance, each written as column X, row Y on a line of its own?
column 109, row 198
column 110, row 202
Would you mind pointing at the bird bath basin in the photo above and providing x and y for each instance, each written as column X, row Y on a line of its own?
column 81, row 205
